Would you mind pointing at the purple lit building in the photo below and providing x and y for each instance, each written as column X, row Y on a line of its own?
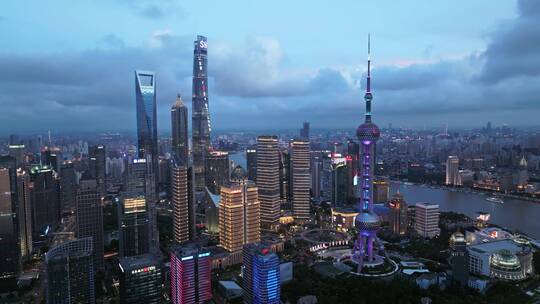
column 367, row 221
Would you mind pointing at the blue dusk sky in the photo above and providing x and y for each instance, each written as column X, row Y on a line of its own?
column 68, row 65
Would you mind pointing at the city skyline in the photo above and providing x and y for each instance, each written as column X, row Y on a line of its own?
column 422, row 80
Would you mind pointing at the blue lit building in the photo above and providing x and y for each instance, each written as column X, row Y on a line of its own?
column 190, row 275
column 261, row 275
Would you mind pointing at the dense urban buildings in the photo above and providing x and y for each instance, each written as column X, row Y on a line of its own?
column 133, row 226
column 190, row 275
column 200, row 116
column 426, row 219
column 70, row 272
column 261, row 275
column 89, row 214
column 10, row 255
column 239, row 219
column 300, row 180
column 268, row 180
column 179, row 131
column 140, row 279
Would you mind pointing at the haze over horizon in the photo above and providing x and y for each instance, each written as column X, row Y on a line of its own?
column 456, row 64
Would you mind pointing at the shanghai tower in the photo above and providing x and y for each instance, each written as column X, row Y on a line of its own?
column 367, row 221
column 200, row 114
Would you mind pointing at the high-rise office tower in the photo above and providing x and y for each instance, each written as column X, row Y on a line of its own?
column 97, row 167
column 340, row 186
column 316, row 168
column 300, row 179
column 251, row 163
column 89, row 213
column 268, row 180
column 452, row 170
column 304, row 132
column 68, row 185
column 191, row 281
column 70, row 272
column 179, row 129
column 239, row 221
column 285, row 176
column 182, row 201
column 426, row 219
column 10, row 254
column 261, row 275
column 398, row 214
column 367, row 221
column 133, row 226
column 217, row 172
column 145, row 94
column 140, row 279
column 17, row 151
column 459, row 259
column 24, row 215
column 200, row 126
column 140, row 181
column 381, row 191
column 45, row 200
column 52, row 157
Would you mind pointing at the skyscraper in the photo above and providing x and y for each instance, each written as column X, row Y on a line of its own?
column 251, row 163
column 140, row 181
column 179, row 129
column 200, row 114
column 304, row 132
column 398, row 214
column 217, row 171
column 10, row 254
column 97, row 166
column 44, row 199
column 70, row 272
column 452, row 170
column 367, row 221
column 300, row 179
column 68, row 185
column 190, row 275
column 140, row 279
column 182, row 202
column 90, row 217
column 17, row 151
column 285, row 176
column 24, row 213
column 239, row 221
column 268, row 180
column 133, row 226
column 261, row 275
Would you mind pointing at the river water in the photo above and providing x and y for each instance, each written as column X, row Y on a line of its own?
column 514, row 214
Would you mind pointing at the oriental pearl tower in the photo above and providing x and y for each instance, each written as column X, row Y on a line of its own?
column 367, row 221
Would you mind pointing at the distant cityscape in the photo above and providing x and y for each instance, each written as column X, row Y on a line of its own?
column 297, row 216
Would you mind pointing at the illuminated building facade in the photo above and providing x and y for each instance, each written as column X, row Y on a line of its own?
column 190, row 275
column 133, row 226
column 239, row 220
column 398, row 214
column 45, row 200
column 268, row 180
column 426, row 220
column 367, row 221
column 69, row 269
column 179, row 129
column 200, row 115
column 182, row 201
column 261, row 275
column 301, row 179
column 140, row 279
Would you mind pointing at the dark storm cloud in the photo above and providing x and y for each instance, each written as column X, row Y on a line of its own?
column 514, row 50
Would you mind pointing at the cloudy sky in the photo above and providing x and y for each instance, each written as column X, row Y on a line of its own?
column 68, row 65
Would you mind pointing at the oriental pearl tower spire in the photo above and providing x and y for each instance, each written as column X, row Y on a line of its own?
column 367, row 221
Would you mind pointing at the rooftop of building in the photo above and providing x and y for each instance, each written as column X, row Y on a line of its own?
column 427, row 205
column 496, row 246
column 137, row 262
